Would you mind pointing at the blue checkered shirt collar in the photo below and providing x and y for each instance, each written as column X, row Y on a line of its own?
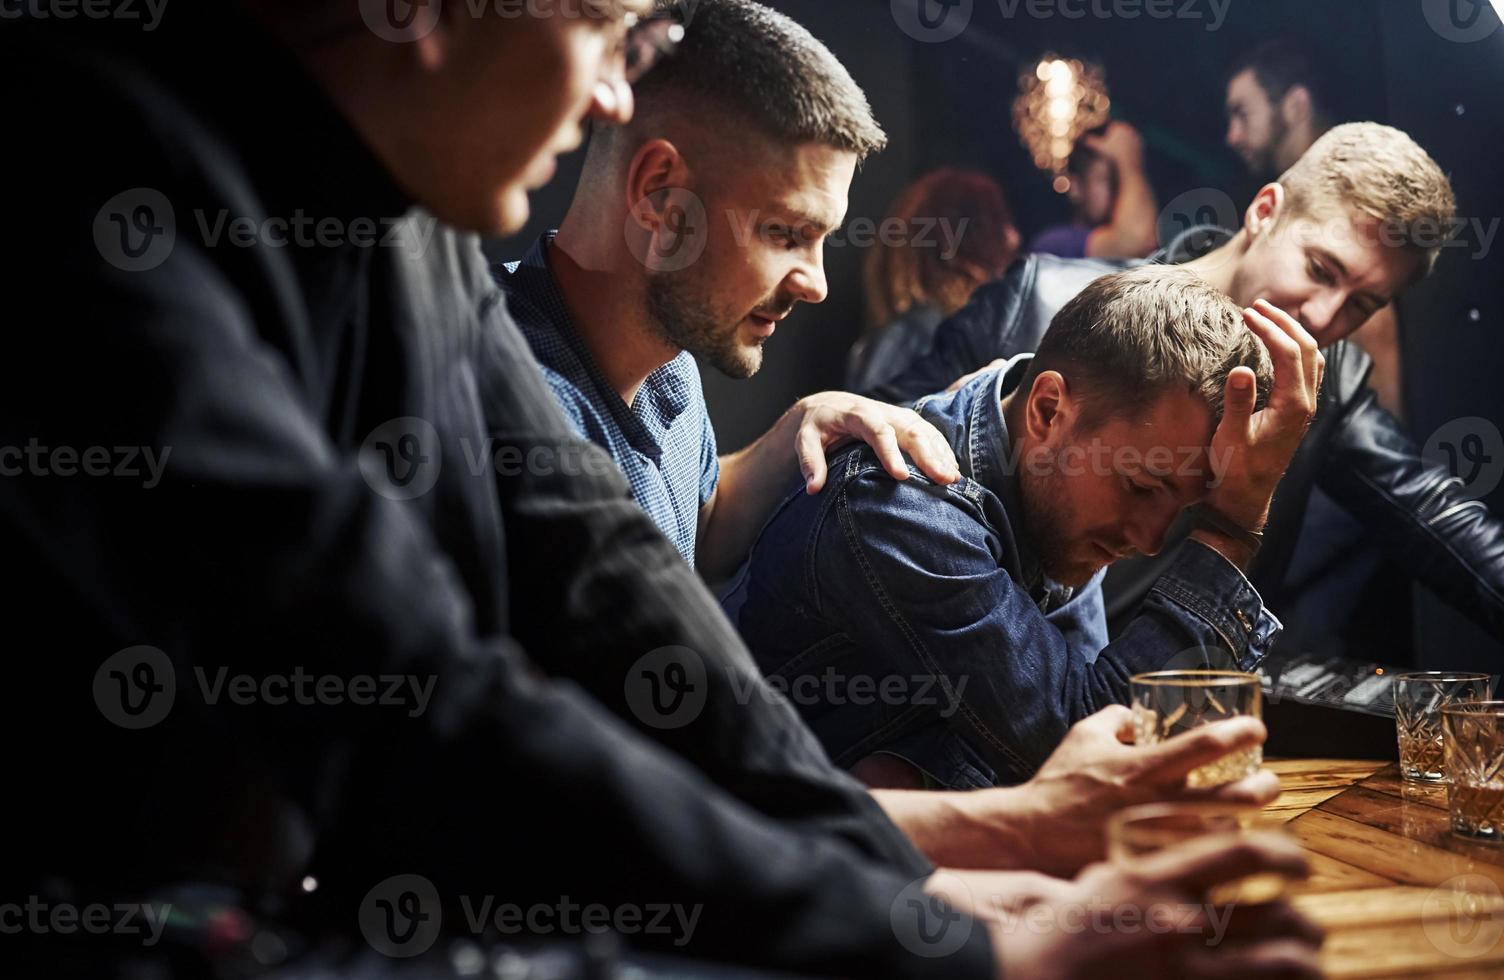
column 662, row 398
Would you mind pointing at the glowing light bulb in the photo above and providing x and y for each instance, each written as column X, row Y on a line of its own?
column 1058, row 100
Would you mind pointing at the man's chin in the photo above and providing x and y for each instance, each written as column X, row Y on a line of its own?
column 739, row 362
column 512, row 212
column 1075, row 574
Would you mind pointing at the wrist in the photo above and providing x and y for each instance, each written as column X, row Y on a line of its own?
column 976, row 829
column 1242, row 515
column 1234, row 550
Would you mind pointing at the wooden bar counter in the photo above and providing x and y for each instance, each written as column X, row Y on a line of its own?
column 1398, row 895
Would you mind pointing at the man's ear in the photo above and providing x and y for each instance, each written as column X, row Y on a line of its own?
column 1296, row 106
column 656, row 167
column 1265, row 209
column 1049, row 406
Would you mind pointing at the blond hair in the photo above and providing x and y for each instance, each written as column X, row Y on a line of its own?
column 1376, row 172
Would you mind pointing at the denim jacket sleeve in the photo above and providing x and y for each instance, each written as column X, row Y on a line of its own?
column 923, row 585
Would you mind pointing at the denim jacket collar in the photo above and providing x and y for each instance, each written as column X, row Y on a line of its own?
column 971, row 420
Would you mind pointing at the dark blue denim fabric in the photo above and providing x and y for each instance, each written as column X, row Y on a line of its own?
column 911, row 618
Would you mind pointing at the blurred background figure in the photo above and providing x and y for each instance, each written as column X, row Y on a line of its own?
column 958, row 234
column 1115, row 209
column 1278, row 104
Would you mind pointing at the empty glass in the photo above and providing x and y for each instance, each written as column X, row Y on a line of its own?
column 1418, row 699
column 1168, row 702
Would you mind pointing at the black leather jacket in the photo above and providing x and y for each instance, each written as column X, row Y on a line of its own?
column 1355, row 452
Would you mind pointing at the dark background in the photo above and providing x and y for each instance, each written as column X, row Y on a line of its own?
column 949, row 103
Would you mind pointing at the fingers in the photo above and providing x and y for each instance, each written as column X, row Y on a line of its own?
column 1252, row 791
column 1113, row 719
column 1174, row 758
column 1284, row 352
column 1282, row 959
column 966, row 379
column 1113, row 723
column 1296, row 346
column 1238, row 402
column 885, row 444
column 961, row 382
column 931, row 453
column 1315, row 363
column 1204, row 862
column 832, row 418
column 1269, row 920
column 810, row 448
column 1121, row 720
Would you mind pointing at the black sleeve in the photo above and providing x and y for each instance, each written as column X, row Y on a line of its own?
column 281, row 560
column 969, row 340
column 1416, row 509
column 582, row 553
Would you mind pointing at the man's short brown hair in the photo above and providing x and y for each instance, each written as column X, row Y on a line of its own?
column 743, row 65
column 1376, row 172
column 1131, row 337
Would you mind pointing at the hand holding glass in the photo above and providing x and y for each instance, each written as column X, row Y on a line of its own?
column 1168, row 702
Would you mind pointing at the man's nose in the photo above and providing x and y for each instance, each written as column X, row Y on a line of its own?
column 1147, row 534
column 807, row 282
column 1318, row 312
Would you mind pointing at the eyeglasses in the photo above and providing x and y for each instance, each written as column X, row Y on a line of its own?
column 649, row 39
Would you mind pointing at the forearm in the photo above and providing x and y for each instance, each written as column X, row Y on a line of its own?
column 752, row 481
column 977, row 829
column 1131, row 231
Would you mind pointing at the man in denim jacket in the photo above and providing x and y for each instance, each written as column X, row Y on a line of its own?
column 929, row 635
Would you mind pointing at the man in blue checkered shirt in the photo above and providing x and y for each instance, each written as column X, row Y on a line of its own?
column 663, row 440
column 696, row 228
